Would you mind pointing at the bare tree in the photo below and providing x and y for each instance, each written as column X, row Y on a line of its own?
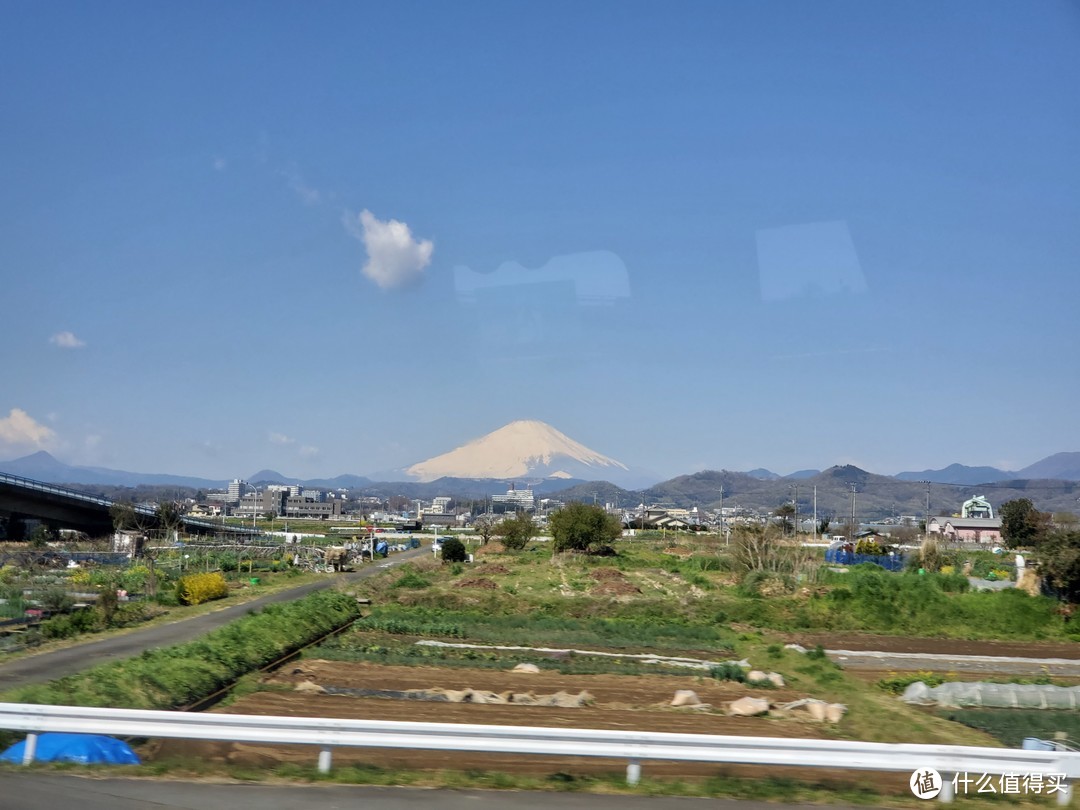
column 484, row 526
column 762, row 548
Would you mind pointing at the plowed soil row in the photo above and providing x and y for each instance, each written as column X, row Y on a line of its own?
column 620, row 702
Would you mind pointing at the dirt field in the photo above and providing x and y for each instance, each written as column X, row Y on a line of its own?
column 619, row 702
column 939, row 646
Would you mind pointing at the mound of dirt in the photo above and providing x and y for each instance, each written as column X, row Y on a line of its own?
column 678, row 551
column 615, row 587
column 478, row 582
column 602, row 574
column 491, row 569
column 491, row 547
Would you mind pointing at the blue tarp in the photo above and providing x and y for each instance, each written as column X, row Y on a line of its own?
column 894, row 563
column 84, row 749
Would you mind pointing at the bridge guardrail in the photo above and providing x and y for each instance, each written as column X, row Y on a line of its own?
column 634, row 746
column 74, row 494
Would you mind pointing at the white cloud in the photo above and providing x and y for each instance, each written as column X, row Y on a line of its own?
column 220, row 164
column 307, row 451
column 281, row 438
column 66, row 340
column 394, row 257
column 19, row 429
column 307, row 194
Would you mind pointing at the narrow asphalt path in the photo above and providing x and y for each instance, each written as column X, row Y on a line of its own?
column 49, row 665
column 33, row 791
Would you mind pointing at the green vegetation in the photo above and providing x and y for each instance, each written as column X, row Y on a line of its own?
column 1011, row 726
column 540, row 629
column 411, row 579
column 170, row 677
column 516, row 532
column 1021, row 523
column 453, row 551
column 867, row 598
column 583, row 527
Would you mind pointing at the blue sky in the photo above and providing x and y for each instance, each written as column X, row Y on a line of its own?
column 345, row 237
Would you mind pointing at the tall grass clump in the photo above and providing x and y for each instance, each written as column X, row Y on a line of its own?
column 871, row 599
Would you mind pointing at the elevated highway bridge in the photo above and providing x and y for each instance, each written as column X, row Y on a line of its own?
column 64, row 508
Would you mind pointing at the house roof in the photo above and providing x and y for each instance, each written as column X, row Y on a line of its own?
column 972, row 523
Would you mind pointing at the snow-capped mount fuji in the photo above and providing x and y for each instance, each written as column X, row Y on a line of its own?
column 522, row 449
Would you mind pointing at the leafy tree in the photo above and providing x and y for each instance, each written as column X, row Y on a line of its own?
column 583, row 527
column 453, row 550
column 41, row 536
column 517, row 531
column 1021, row 523
column 785, row 512
column 823, row 526
column 1059, row 562
column 484, row 526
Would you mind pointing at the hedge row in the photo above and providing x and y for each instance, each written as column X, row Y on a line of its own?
column 170, row 677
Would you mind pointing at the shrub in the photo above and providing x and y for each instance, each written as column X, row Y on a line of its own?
column 194, row 589
column 728, row 671
column 453, row 551
column 411, row 579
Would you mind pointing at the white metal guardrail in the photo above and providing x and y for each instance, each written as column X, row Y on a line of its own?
column 634, row 746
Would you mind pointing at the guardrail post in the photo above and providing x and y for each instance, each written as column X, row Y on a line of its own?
column 326, row 758
column 30, row 749
column 948, row 791
column 633, row 772
column 1064, row 796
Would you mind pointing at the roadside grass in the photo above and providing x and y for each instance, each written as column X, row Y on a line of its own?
column 171, row 677
column 828, row 788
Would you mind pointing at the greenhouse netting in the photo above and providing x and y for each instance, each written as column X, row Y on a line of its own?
column 994, row 695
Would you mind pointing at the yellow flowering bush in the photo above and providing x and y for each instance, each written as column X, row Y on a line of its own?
column 194, row 589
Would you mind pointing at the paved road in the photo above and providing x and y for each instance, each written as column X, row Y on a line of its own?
column 48, row 665
column 54, row 792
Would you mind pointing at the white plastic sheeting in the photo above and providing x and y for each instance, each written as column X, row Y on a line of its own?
column 994, row 695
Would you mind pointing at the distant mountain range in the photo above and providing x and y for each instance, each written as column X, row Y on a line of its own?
column 1054, row 482
column 1060, row 466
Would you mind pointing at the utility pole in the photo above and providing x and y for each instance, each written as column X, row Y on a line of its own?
column 853, row 529
column 926, row 522
column 722, row 511
column 796, row 524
